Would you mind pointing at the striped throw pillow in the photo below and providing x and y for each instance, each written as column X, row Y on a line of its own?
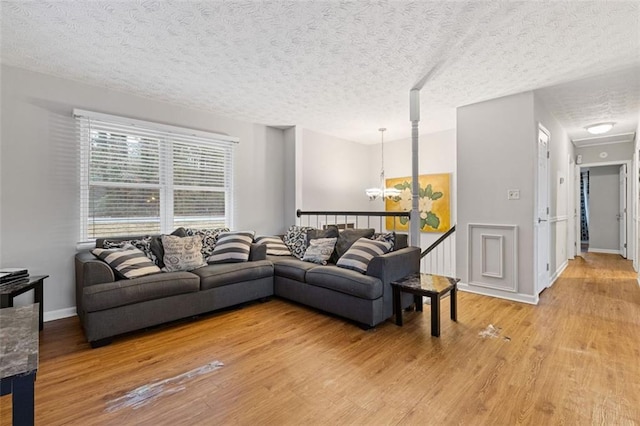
column 232, row 247
column 128, row 262
column 275, row 246
column 361, row 252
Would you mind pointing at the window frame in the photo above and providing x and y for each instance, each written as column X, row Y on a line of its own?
column 168, row 135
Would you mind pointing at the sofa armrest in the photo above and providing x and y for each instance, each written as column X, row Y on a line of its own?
column 89, row 271
column 258, row 252
column 395, row 265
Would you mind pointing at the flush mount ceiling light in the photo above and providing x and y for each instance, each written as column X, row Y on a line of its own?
column 382, row 190
column 600, row 128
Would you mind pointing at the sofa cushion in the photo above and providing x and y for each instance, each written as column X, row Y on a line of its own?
column 345, row 281
column 319, row 250
column 182, row 253
column 290, row 267
column 218, row 275
column 361, row 252
column 232, row 247
column 128, row 262
column 275, row 246
column 99, row 297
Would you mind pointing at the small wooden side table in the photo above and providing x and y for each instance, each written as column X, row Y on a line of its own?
column 432, row 286
column 9, row 291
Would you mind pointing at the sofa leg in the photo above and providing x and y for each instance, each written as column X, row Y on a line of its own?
column 364, row 326
column 264, row 299
column 100, row 342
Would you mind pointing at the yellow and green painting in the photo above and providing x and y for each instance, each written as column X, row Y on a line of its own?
column 434, row 203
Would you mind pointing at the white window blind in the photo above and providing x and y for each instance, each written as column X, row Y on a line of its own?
column 141, row 178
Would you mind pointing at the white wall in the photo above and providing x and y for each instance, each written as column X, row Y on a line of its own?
column 635, row 200
column 289, row 177
column 333, row 174
column 496, row 151
column 604, row 201
column 561, row 199
column 39, row 209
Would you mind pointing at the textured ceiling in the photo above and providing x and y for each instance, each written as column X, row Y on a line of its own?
column 341, row 68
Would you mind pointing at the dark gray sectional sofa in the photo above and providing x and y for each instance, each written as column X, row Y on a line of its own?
column 108, row 306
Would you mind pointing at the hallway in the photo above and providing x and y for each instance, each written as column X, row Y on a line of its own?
column 595, row 309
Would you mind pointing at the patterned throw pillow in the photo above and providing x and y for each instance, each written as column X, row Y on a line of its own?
column 296, row 240
column 319, row 250
column 143, row 244
column 275, row 246
column 156, row 246
column 209, row 238
column 388, row 237
column 232, row 247
column 129, row 262
column 360, row 254
column 182, row 253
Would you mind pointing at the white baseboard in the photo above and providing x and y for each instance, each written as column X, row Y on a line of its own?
column 606, row 251
column 558, row 272
column 59, row 314
column 515, row 297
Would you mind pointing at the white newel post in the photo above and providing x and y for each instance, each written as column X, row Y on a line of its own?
column 414, row 113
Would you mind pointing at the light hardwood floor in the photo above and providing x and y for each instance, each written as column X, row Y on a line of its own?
column 573, row 359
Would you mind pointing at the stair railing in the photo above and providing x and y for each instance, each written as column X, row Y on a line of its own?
column 439, row 257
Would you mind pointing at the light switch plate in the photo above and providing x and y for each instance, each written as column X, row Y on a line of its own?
column 513, row 194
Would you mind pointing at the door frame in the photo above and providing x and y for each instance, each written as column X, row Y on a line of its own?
column 631, row 245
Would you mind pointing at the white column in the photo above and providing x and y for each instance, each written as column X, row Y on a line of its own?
column 414, row 113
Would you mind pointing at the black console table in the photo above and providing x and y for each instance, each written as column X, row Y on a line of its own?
column 19, row 359
column 9, row 291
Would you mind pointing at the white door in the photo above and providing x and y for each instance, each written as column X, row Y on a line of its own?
column 622, row 214
column 542, row 212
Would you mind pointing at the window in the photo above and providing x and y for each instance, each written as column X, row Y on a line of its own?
column 144, row 178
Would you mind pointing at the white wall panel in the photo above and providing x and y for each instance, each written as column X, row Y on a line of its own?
column 493, row 256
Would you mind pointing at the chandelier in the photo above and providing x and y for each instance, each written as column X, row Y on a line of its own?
column 382, row 191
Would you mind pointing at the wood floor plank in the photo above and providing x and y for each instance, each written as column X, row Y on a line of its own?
column 572, row 359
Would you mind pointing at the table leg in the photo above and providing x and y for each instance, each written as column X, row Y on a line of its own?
column 397, row 305
column 6, row 301
column 5, row 386
column 417, row 300
column 23, row 395
column 435, row 315
column 38, row 298
column 454, row 303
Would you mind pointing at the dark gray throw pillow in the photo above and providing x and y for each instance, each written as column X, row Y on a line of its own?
column 349, row 236
column 330, row 232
